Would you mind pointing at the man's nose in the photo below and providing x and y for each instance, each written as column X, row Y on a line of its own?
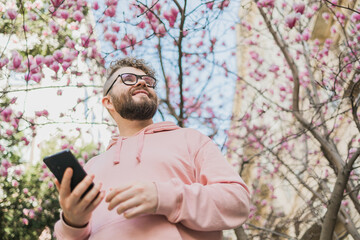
column 141, row 82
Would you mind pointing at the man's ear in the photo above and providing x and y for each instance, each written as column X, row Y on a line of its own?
column 107, row 103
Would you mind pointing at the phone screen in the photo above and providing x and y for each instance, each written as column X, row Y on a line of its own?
column 59, row 162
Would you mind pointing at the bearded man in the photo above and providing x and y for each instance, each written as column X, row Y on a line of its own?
column 155, row 180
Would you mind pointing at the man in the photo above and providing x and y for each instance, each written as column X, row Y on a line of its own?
column 160, row 181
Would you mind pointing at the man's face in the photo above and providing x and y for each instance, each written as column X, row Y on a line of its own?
column 137, row 102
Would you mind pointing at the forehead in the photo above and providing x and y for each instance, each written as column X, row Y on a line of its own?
column 129, row 70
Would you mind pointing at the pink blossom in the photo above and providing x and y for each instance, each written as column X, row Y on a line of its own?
column 111, row 2
column 110, row 37
column 25, row 191
column 3, row 62
column 95, row 5
column 15, row 183
column 70, row 43
column 65, row 65
column 5, row 163
column 64, row 14
column 266, row 3
column 299, row 7
column 58, row 56
column 224, row 4
column 355, row 17
column 56, row 3
column 9, row 132
column 306, row 34
column 55, row 67
column 78, row 16
column 84, row 40
column 115, row 27
column 5, row 114
column 141, row 25
column 24, row 139
column 31, row 213
column 291, row 19
column 48, row 60
column 11, row 13
column 210, row 5
column 39, row 59
column 110, row 11
column 274, row 68
column 326, row 16
column 25, row 221
column 160, row 30
column 16, row 63
column 54, row 27
column 18, row 172
column 36, row 77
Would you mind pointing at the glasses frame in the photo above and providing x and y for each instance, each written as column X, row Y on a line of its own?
column 131, row 84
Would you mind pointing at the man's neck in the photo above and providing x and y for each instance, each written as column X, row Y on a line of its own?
column 129, row 128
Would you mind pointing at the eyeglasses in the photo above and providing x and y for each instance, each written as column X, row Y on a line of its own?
column 131, row 79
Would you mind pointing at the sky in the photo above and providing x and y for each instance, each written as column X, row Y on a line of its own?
column 48, row 99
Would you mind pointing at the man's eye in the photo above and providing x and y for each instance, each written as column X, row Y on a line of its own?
column 128, row 79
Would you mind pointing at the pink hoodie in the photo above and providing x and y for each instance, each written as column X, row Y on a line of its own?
column 199, row 194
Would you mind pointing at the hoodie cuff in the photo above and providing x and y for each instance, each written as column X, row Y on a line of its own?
column 65, row 231
column 169, row 199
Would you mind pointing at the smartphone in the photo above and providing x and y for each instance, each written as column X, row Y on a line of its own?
column 59, row 162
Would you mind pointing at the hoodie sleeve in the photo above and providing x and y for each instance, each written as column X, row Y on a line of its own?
column 64, row 231
column 218, row 200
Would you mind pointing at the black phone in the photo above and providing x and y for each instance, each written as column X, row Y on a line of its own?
column 59, row 162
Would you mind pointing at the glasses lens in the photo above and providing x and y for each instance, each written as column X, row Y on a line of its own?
column 128, row 78
column 149, row 81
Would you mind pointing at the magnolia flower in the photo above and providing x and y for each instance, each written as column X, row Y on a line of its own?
column 25, row 221
column 95, row 6
column 210, row 5
column 115, row 27
column 55, row 67
column 78, row 16
column 3, row 62
column 54, row 27
column 11, row 13
column 110, row 11
column 291, row 19
column 15, row 183
column 299, row 7
column 36, row 77
column 16, row 63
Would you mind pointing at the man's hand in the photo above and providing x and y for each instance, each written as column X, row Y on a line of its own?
column 133, row 199
column 77, row 212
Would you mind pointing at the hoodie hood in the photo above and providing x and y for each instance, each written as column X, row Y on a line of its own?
column 116, row 141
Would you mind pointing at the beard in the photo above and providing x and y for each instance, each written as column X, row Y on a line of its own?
column 143, row 109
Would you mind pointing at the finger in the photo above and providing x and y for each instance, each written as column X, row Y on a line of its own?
column 128, row 205
column 57, row 184
column 65, row 183
column 81, row 188
column 90, row 196
column 116, row 191
column 121, row 197
column 136, row 211
column 96, row 202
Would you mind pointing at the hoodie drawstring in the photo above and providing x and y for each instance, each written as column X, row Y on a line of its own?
column 140, row 145
column 118, row 146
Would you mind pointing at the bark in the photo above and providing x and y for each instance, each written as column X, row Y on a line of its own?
column 240, row 233
column 335, row 200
